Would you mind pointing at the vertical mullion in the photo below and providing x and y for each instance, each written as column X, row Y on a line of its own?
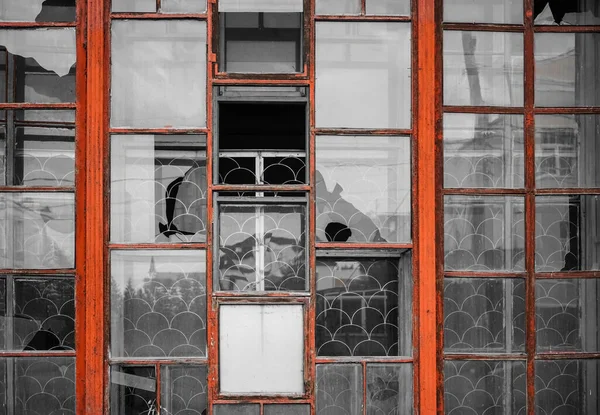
column 158, row 5
column 364, row 390
column 363, row 7
column 427, row 130
column 157, row 402
column 92, row 222
column 9, row 338
column 529, row 134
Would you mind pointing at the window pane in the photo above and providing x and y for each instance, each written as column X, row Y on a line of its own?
column 184, row 390
column 148, row 6
column 261, row 42
column 363, row 72
column 158, row 188
column 43, row 148
column 566, row 69
column 158, row 74
column 573, row 12
column 37, row 11
column 287, row 409
column 44, row 314
column 337, row 7
column 339, row 389
column 158, row 304
column 483, row 68
column 566, row 233
column 484, row 315
column 262, row 247
column 389, row 389
column 236, row 409
column 261, row 349
column 388, row 7
column 363, row 189
column 364, row 307
column 37, row 230
column 567, row 386
column 484, row 387
column 183, row 6
column 44, row 70
column 488, row 11
column 483, row 150
column 132, row 390
column 484, row 233
column 272, row 6
column 567, row 315
column 567, row 150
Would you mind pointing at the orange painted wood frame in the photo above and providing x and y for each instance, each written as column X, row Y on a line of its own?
column 93, row 128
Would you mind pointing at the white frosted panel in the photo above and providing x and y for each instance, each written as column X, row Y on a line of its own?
column 274, row 6
column 363, row 72
column 261, row 349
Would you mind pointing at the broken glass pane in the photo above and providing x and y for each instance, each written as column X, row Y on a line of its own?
column 133, row 390
column 363, row 189
column 37, row 10
column 44, row 70
column 567, row 12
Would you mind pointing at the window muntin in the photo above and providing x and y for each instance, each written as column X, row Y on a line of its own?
column 158, row 74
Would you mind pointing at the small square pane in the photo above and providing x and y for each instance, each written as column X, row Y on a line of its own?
column 44, row 314
column 484, row 233
column 572, row 12
column 37, row 230
column 390, row 389
column 566, row 69
column 388, row 7
column 183, row 6
column 484, row 315
column 37, row 11
column 236, row 409
column 42, row 385
column 158, row 74
column 285, row 409
column 261, row 349
column 484, row 11
column 567, row 315
column 158, row 188
column 363, row 75
column 484, row 387
column 262, row 247
column 567, row 150
column 184, row 389
column 337, row 7
column 363, row 189
column 339, row 389
column 144, row 6
column 364, row 306
column 158, row 304
column 133, row 390
column 483, row 150
column 567, row 386
column 566, row 230
column 483, row 68
column 44, row 64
